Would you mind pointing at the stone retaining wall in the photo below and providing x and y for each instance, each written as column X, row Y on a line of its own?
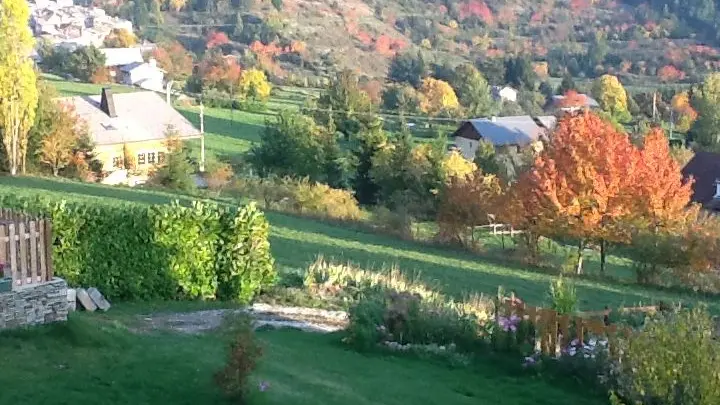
column 34, row 304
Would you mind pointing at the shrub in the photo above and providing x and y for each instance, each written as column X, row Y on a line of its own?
column 562, row 295
column 244, row 262
column 397, row 223
column 245, row 352
column 160, row 252
column 320, row 199
column 674, row 360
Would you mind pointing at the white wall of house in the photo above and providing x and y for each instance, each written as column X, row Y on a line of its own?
column 508, row 94
column 147, row 76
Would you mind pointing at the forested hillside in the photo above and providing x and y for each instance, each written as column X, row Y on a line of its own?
column 664, row 41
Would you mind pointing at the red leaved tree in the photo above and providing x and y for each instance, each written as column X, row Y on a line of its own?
column 579, row 184
column 216, row 38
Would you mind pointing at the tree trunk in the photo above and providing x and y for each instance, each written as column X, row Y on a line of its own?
column 579, row 263
column 602, row 256
column 55, row 171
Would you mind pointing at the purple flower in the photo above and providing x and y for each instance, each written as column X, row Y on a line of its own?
column 509, row 324
column 263, row 386
column 529, row 361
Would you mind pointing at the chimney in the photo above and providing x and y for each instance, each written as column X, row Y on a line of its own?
column 107, row 104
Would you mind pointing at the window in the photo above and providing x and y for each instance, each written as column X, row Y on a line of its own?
column 117, row 162
column 161, row 157
column 151, row 158
column 141, row 158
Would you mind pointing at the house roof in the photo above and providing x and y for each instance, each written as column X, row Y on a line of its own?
column 140, row 116
column 704, row 167
column 519, row 130
column 589, row 101
column 122, row 56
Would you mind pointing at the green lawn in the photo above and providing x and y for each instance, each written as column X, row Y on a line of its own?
column 95, row 359
column 296, row 242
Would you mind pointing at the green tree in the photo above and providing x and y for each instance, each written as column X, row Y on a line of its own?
column 493, row 69
column 18, row 87
column 473, row 91
column 278, row 4
column 85, row 61
column 345, row 105
column 567, row 84
column 367, row 143
column 176, row 173
column 294, row 145
column 402, row 98
column 611, row 95
column 485, row 158
column 407, row 68
column 519, row 73
column 598, row 50
column 706, row 129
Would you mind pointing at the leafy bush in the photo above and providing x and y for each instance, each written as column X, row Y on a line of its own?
column 244, row 262
column 562, row 295
column 245, row 352
column 160, row 252
column 320, row 199
column 674, row 360
column 302, row 196
column 397, row 223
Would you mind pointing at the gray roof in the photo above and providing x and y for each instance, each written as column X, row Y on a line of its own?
column 519, row 130
column 141, row 116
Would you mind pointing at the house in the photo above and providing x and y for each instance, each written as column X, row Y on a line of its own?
column 504, row 93
column 704, row 167
column 503, row 132
column 572, row 102
column 144, row 75
column 118, row 57
column 130, row 124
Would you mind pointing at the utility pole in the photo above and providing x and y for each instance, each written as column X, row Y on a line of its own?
column 202, row 137
column 654, row 105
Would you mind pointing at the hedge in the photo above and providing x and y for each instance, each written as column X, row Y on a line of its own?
column 204, row 251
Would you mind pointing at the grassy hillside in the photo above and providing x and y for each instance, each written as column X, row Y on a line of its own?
column 297, row 241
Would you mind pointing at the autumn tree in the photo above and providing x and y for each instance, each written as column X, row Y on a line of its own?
column 455, row 165
column 436, row 97
column 218, row 72
column 663, row 193
column 473, row 91
column 580, row 182
column 175, row 60
column 254, row 85
column 465, row 203
column 706, row 129
column 611, row 95
column 120, row 38
column 59, row 145
column 215, row 39
column 175, row 5
column 18, row 89
column 685, row 114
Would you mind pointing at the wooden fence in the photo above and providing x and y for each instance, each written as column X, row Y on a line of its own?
column 554, row 332
column 25, row 248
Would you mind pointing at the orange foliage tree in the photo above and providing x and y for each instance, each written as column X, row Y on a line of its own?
column 219, row 72
column 662, row 195
column 579, row 184
column 686, row 114
column 465, row 203
column 669, row 73
column 174, row 59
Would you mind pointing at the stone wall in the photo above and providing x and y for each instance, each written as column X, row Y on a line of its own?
column 34, row 304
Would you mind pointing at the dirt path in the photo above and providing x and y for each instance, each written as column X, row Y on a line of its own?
column 306, row 319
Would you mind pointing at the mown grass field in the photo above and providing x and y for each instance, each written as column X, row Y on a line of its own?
column 95, row 359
